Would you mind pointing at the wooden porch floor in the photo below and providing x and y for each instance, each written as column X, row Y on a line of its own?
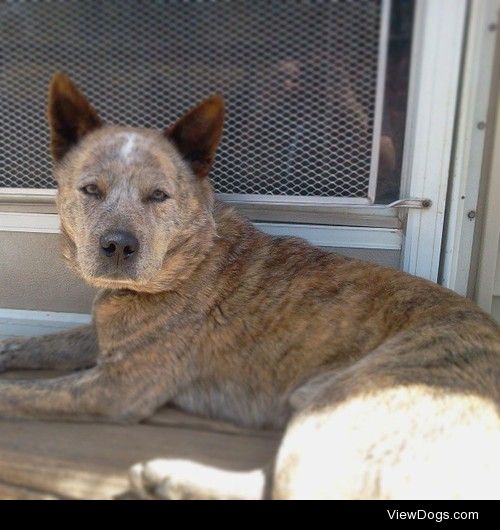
column 66, row 460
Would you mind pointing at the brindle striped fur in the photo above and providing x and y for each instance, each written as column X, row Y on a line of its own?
column 389, row 385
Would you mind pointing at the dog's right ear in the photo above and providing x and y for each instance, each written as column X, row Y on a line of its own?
column 70, row 115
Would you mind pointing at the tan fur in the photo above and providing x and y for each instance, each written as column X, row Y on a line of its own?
column 376, row 372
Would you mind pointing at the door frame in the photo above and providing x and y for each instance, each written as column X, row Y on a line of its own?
column 438, row 38
column 476, row 112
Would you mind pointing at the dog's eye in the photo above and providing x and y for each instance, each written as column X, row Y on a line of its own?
column 158, row 196
column 91, row 189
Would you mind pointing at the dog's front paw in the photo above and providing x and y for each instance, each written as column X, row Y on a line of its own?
column 165, row 478
column 171, row 479
column 156, row 479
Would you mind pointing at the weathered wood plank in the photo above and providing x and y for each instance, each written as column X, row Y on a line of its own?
column 80, row 460
column 10, row 492
column 91, row 460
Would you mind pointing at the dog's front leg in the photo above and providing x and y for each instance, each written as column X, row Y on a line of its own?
column 117, row 391
column 67, row 350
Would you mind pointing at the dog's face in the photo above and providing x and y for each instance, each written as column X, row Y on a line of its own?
column 135, row 204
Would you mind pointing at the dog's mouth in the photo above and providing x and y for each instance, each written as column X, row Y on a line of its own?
column 113, row 282
column 131, row 277
column 106, row 275
column 117, row 276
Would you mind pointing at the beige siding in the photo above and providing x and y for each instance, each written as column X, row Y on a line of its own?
column 34, row 277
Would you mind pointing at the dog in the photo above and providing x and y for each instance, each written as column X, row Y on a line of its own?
column 387, row 385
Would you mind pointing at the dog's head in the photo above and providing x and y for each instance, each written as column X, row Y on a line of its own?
column 135, row 204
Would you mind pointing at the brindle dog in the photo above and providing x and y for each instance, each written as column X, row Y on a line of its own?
column 389, row 384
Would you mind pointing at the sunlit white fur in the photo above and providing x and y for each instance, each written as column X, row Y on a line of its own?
column 400, row 443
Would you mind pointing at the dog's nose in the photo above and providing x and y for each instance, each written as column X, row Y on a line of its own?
column 118, row 243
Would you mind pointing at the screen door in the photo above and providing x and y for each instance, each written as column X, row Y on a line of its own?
column 304, row 84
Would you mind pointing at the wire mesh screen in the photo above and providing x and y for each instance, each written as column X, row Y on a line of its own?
column 299, row 78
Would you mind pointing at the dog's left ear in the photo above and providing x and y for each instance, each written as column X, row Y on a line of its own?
column 197, row 134
column 70, row 115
